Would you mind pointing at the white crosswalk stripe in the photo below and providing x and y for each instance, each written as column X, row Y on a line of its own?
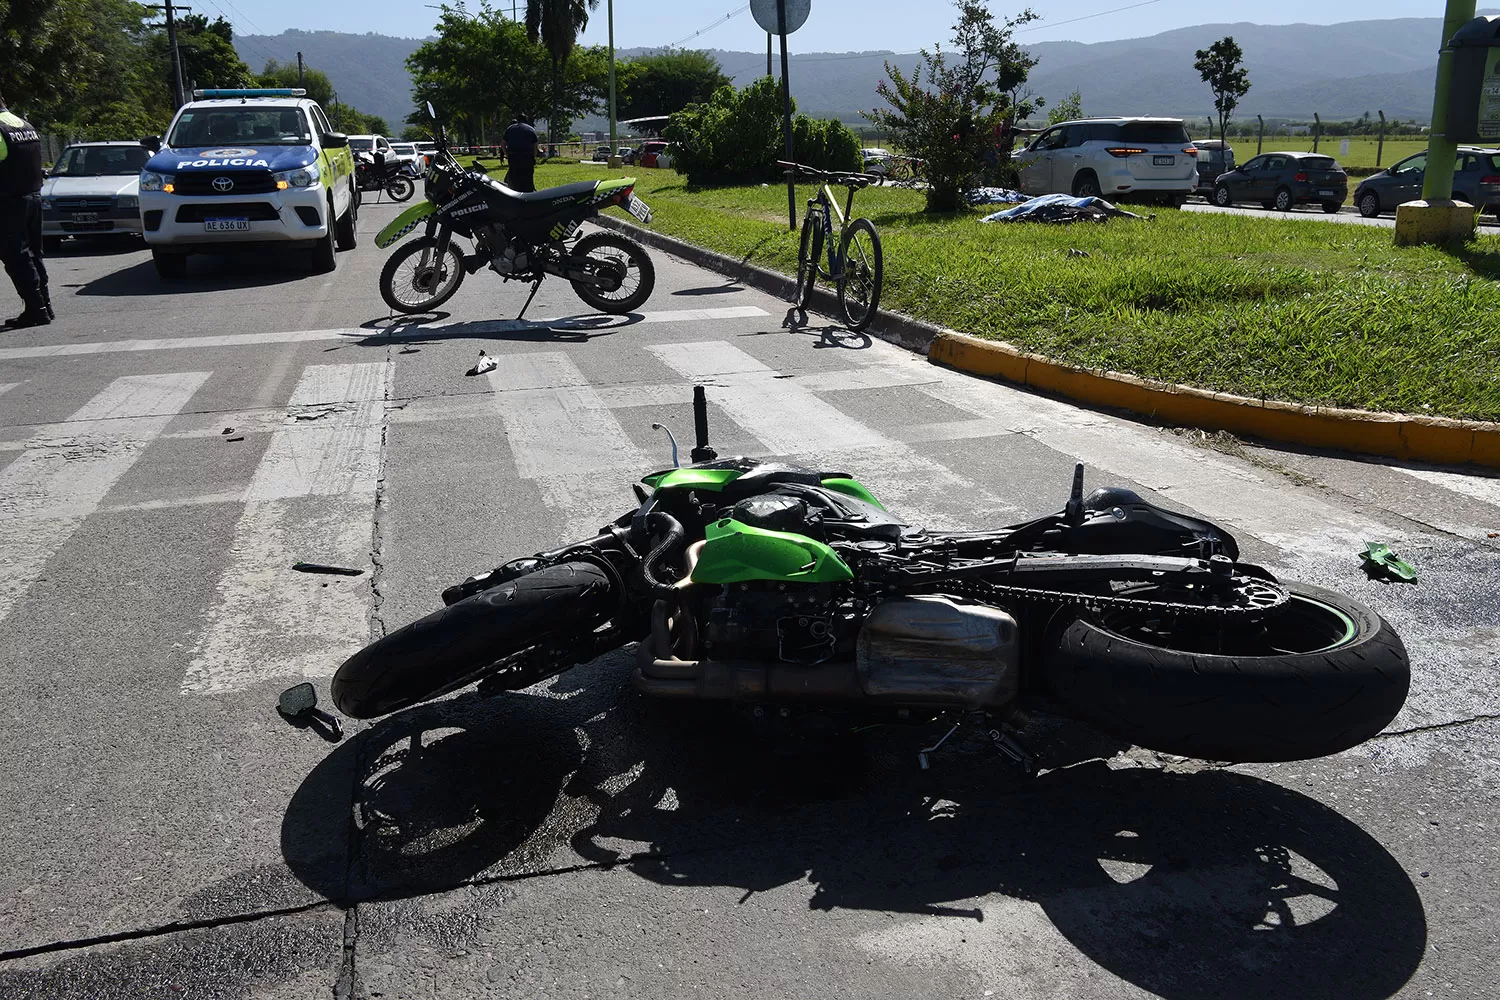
column 67, row 469
column 563, row 437
column 790, row 419
column 312, row 499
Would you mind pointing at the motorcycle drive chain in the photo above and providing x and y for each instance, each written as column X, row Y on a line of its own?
column 989, row 591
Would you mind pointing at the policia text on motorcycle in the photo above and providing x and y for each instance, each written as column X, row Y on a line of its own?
column 21, row 218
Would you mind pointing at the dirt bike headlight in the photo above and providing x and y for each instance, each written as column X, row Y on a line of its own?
column 300, row 178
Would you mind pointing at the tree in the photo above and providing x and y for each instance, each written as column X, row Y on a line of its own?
column 664, row 83
column 1219, row 66
column 319, row 88
column 1067, row 109
column 957, row 115
column 557, row 23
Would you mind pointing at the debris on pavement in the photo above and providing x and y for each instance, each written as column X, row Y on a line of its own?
column 227, row 430
column 307, row 567
column 1380, row 561
column 1061, row 208
column 237, row 437
column 484, row 364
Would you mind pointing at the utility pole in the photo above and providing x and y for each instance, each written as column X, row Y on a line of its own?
column 614, row 154
column 1380, row 146
column 299, row 69
column 786, row 119
column 1260, row 133
column 167, row 5
column 1317, row 130
column 768, row 55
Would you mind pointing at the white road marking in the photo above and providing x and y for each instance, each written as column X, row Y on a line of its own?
column 563, row 437
column 376, row 337
column 1477, row 487
column 789, row 419
column 7, row 387
column 312, row 499
column 1296, row 521
column 68, row 468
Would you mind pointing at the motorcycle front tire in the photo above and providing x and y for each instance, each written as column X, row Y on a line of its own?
column 1286, row 699
column 458, row 644
column 400, row 188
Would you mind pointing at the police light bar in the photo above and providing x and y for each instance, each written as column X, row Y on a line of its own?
column 272, row 92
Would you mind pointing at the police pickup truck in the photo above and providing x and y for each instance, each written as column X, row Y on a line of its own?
column 249, row 170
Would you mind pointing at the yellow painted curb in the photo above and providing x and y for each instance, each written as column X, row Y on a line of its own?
column 1393, row 435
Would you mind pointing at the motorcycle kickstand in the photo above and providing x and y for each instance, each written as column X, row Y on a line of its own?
column 534, row 286
column 922, row 754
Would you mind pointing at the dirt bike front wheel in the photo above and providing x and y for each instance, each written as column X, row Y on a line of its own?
column 400, row 188
column 864, row 274
column 415, row 281
column 640, row 274
column 1318, row 676
column 455, row 646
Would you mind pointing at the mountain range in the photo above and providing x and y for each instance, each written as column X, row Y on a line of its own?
column 1337, row 70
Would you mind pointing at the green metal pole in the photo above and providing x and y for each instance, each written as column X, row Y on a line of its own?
column 1437, row 183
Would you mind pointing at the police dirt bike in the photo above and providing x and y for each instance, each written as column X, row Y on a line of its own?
column 378, row 172
column 791, row 589
column 520, row 236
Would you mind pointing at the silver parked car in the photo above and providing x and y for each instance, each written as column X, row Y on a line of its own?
column 1476, row 180
column 93, row 190
column 1112, row 157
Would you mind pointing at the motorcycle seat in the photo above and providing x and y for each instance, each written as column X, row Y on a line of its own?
column 546, row 195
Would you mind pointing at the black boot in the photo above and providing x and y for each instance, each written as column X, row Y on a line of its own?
column 29, row 318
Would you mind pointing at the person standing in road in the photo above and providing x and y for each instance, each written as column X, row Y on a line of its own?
column 519, row 145
column 21, row 218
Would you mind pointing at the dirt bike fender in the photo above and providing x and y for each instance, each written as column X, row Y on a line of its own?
column 403, row 224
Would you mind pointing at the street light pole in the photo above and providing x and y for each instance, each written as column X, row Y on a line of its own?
column 614, row 154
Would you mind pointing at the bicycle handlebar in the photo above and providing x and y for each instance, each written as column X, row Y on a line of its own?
column 847, row 178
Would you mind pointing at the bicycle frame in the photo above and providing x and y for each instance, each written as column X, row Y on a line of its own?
column 826, row 205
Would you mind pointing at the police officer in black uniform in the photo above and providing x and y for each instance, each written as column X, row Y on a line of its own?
column 519, row 144
column 21, row 218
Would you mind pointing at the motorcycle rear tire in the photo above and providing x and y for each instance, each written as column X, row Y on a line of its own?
column 455, row 646
column 1238, row 708
column 400, row 188
column 637, row 258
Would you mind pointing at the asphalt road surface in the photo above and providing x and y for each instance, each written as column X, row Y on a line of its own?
column 1348, row 215
column 168, row 451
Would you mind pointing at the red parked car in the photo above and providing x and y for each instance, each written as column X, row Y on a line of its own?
column 656, row 154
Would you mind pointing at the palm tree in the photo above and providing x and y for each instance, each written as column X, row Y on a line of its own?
column 557, row 23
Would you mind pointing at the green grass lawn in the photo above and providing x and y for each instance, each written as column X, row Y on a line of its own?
column 1305, row 311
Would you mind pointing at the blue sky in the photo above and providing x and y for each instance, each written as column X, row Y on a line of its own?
column 833, row 25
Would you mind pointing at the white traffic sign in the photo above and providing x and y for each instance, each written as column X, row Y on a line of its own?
column 764, row 12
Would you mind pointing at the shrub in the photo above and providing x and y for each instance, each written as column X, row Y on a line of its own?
column 736, row 136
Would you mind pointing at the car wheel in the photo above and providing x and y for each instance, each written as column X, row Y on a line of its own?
column 321, row 259
column 1283, row 202
column 348, row 226
column 1086, row 185
column 1369, row 204
column 1222, row 197
column 1331, row 207
column 169, row 266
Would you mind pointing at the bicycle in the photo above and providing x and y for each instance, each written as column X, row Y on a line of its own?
column 854, row 266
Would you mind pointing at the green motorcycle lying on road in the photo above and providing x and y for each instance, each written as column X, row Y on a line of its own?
column 770, row 585
column 521, row 236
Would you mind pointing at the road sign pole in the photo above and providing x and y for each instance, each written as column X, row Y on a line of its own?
column 786, row 119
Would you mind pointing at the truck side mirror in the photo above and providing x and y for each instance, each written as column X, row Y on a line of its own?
column 152, row 142
column 335, row 140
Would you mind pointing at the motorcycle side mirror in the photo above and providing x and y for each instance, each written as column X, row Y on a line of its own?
column 297, row 700
column 298, row 705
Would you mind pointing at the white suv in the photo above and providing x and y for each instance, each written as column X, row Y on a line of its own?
column 1114, row 158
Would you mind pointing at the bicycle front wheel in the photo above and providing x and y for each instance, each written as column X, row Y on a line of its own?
column 859, row 288
column 807, row 259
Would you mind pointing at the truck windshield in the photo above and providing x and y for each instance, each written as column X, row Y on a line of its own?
column 236, row 126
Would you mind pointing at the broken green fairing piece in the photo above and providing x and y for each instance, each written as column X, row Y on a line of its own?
column 1380, row 559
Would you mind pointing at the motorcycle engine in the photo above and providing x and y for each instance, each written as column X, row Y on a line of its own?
column 789, row 623
column 515, row 258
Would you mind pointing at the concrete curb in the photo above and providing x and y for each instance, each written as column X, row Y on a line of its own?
column 1439, row 440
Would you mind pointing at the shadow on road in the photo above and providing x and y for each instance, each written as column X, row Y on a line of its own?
column 385, row 331
column 96, row 246
column 206, row 273
column 724, row 289
column 1188, row 885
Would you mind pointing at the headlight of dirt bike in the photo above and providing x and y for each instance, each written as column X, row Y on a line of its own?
column 155, row 182
column 300, row 178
